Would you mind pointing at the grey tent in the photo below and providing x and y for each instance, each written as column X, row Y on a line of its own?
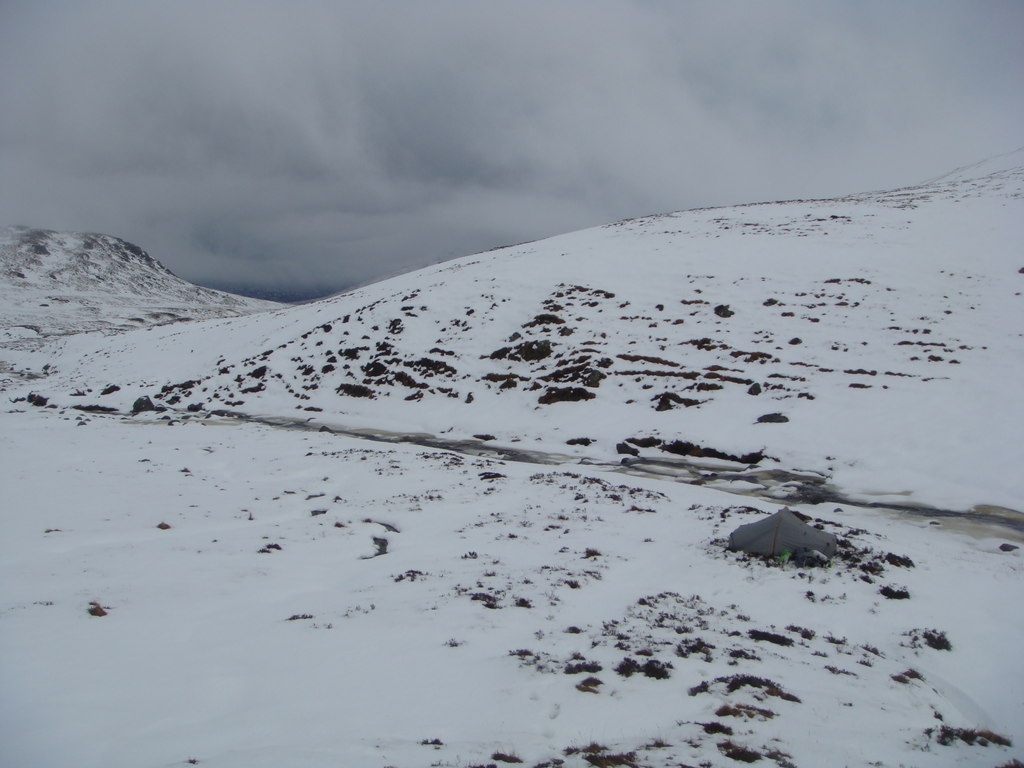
column 782, row 532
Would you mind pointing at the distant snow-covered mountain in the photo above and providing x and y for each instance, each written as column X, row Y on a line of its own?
column 54, row 283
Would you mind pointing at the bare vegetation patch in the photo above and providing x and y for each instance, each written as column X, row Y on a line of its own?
column 745, row 711
column 738, row 752
column 947, row 736
column 933, row 638
column 769, row 637
column 734, row 683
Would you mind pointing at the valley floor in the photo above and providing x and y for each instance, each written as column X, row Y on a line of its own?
column 237, row 596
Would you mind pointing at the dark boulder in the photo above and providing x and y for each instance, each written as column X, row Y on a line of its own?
column 644, row 442
column 354, row 390
column 142, row 404
column 565, row 395
column 95, row 408
column 579, row 441
column 669, row 400
column 685, row 448
column 528, row 351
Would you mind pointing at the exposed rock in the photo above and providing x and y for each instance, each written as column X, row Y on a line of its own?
column 669, row 400
column 624, row 448
column 354, row 390
column 581, row 372
column 723, row 310
column 431, row 367
column 110, row 390
column 683, row 448
column 544, row 319
column 375, row 368
column 1008, row 547
column 579, row 441
column 755, row 389
column 142, row 404
column 644, row 442
column 37, row 400
column 95, row 408
column 772, row 418
column 528, row 351
column 564, row 395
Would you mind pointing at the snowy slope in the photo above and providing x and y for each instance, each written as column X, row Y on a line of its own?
column 54, row 283
column 188, row 587
column 314, row 600
column 874, row 339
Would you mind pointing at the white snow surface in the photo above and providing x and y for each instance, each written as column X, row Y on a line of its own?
column 318, row 599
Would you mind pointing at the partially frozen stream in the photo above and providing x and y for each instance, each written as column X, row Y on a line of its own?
column 776, row 485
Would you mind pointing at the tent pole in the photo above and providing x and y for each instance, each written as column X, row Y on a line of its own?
column 775, row 534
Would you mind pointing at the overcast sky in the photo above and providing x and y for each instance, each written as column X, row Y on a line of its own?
column 309, row 146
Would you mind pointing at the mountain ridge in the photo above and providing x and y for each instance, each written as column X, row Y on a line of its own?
column 55, row 283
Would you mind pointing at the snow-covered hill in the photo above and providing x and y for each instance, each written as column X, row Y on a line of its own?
column 183, row 585
column 55, row 283
column 874, row 339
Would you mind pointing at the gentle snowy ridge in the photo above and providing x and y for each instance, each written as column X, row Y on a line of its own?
column 858, row 329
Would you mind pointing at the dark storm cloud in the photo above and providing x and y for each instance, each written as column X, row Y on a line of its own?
column 315, row 145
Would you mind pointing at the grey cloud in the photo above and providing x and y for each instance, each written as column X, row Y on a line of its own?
column 321, row 144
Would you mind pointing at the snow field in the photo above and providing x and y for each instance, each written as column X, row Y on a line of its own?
column 319, row 652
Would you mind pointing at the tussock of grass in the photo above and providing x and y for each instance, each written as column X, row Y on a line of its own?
column 894, row 593
column 627, row 759
column 739, row 753
column 746, row 711
column 907, row 676
column 933, row 638
column 716, row 727
column 734, row 682
column 806, row 634
column 505, row 757
column 769, row 637
column 589, row 685
column 947, row 736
